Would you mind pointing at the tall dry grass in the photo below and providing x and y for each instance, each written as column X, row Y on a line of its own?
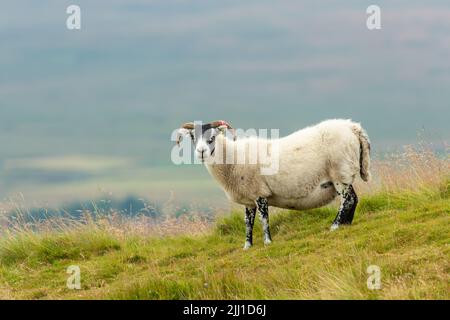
column 113, row 222
column 415, row 169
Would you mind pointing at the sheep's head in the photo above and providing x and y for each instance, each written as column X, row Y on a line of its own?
column 203, row 136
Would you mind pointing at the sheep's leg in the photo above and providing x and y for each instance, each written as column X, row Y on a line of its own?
column 352, row 203
column 349, row 200
column 249, row 222
column 263, row 209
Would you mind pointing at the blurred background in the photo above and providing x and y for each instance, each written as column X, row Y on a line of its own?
column 88, row 114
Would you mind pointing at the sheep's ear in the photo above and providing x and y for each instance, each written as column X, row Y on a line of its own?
column 181, row 133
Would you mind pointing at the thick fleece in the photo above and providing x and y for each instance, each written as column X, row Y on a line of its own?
column 312, row 164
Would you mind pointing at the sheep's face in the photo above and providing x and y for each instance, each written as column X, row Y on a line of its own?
column 204, row 137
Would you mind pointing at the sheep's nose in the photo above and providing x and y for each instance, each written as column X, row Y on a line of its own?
column 201, row 150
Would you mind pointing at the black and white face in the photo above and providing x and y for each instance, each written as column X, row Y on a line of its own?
column 204, row 139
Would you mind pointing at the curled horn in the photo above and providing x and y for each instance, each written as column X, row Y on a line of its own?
column 185, row 127
column 220, row 123
column 188, row 125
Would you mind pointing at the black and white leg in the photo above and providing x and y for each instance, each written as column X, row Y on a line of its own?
column 249, row 222
column 263, row 209
column 349, row 200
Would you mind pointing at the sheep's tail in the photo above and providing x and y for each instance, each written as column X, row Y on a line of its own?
column 364, row 152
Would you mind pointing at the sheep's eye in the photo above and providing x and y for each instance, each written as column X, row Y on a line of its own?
column 211, row 140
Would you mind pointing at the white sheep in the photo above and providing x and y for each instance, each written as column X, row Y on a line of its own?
column 315, row 165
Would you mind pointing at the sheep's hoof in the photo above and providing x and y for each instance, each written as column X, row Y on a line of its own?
column 334, row 226
column 267, row 242
column 247, row 245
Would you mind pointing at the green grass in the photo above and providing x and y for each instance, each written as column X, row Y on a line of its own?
column 406, row 234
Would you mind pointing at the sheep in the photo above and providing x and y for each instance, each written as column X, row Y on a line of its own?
column 315, row 165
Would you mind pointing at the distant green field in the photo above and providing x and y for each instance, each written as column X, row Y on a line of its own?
column 64, row 179
column 406, row 234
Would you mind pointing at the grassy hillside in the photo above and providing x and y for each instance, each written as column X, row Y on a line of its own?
column 406, row 234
